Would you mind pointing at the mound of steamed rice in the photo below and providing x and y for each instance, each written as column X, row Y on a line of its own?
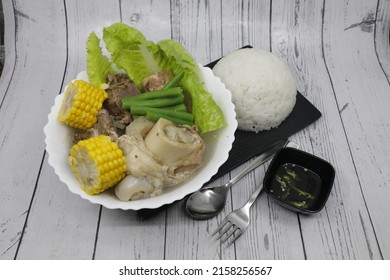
column 262, row 86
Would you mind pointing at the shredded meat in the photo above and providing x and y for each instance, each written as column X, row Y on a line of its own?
column 119, row 86
column 156, row 81
column 104, row 125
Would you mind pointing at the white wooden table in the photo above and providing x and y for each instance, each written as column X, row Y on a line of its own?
column 339, row 53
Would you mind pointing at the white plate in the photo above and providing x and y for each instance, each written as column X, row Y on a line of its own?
column 218, row 144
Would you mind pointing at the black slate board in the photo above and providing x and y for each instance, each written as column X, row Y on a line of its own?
column 249, row 144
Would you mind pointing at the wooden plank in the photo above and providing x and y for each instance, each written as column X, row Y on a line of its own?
column 350, row 87
column 382, row 35
column 274, row 232
column 243, row 23
column 61, row 225
column 336, row 232
column 197, row 26
column 124, row 234
column 152, row 18
column 309, row 71
column 362, row 93
column 40, row 37
column 9, row 46
column 292, row 25
column 83, row 18
column 188, row 239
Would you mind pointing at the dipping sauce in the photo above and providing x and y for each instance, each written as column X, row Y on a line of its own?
column 296, row 185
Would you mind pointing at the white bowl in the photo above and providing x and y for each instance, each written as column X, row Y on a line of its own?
column 218, row 144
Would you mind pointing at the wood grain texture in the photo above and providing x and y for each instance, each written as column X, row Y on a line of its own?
column 124, row 234
column 152, row 17
column 364, row 95
column 9, row 45
column 70, row 219
column 304, row 58
column 39, row 38
column 60, row 225
column 243, row 23
column 339, row 54
column 274, row 232
column 197, row 26
column 382, row 35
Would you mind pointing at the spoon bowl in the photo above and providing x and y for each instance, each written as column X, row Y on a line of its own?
column 207, row 202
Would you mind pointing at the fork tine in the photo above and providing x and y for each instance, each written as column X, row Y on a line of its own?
column 235, row 228
column 235, row 237
column 228, row 225
column 221, row 225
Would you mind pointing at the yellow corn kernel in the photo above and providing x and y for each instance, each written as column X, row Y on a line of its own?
column 81, row 104
column 98, row 163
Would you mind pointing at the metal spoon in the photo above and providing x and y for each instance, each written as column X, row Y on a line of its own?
column 209, row 201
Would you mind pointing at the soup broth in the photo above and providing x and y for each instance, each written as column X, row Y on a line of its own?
column 296, row 185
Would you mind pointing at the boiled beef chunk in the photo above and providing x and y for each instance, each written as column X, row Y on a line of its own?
column 156, row 81
column 119, row 86
column 104, row 125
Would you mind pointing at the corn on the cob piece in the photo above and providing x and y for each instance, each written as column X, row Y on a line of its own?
column 98, row 163
column 82, row 101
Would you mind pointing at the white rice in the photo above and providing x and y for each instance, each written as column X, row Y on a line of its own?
column 262, row 85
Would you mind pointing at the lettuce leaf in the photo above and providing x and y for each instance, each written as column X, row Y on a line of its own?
column 119, row 35
column 207, row 114
column 138, row 61
column 140, row 58
column 98, row 65
column 132, row 52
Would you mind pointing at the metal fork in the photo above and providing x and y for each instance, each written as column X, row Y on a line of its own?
column 237, row 221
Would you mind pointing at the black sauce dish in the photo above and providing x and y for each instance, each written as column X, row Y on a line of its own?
column 299, row 181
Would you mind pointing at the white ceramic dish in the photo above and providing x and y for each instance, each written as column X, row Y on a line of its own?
column 218, row 145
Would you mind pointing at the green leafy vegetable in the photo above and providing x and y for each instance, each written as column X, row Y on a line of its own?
column 208, row 116
column 119, row 36
column 98, row 65
column 140, row 58
column 132, row 52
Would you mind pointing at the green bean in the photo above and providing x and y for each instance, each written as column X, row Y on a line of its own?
column 154, row 117
column 174, row 80
column 155, row 103
column 138, row 110
column 127, row 101
column 179, row 107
